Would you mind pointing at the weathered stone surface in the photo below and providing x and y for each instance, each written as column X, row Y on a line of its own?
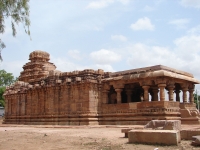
column 172, row 125
column 44, row 95
column 196, row 140
column 188, row 134
column 126, row 130
column 163, row 137
column 164, row 124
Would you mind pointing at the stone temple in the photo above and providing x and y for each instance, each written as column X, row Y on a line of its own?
column 44, row 95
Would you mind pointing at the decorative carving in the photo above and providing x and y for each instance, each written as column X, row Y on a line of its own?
column 45, row 95
column 160, row 81
column 146, row 82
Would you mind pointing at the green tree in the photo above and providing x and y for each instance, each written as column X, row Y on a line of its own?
column 5, row 80
column 195, row 100
column 18, row 12
column 2, row 90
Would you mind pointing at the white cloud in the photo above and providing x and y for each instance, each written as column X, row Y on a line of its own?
column 179, row 23
column 104, row 56
column 147, row 8
column 14, row 67
column 119, row 38
column 187, row 47
column 99, row 4
column 75, row 54
column 146, row 55
column 106, row 68
column 184, row 56
column 142, row 24
column 191, row 3
column 66, row 65
column 124, row 2
column 194, row 30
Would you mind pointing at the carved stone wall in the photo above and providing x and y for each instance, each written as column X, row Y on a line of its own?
column 44, row 95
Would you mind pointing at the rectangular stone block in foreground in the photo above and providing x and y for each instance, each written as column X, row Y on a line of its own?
column 163, row 137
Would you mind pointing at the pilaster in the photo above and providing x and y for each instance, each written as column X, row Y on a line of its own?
column 105, row 97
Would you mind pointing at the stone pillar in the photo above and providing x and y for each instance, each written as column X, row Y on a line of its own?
column 118, row 95
column 146, row 93
column 171, row 94
column 191, row 96
column 155, row 93
column 129, row 93
column 177, row 91
column 185, row 95
column 105, row 97
column 162, row 91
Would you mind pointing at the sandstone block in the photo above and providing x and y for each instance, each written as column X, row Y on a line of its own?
column 126, row 131
column 188, row 134
column 164, row 124
column 164, row 137
column 196, row 140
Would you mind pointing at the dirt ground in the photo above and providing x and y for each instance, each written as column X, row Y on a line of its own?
column 27, row 137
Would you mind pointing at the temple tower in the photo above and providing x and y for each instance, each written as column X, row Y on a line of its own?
column 38, row 67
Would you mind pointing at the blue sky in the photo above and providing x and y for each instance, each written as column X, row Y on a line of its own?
column 112, row 35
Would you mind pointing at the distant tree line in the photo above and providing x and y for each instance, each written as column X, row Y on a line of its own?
column 5, row 80
column 195, row 100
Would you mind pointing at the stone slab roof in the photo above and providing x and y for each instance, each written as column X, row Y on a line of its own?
column 153, row 71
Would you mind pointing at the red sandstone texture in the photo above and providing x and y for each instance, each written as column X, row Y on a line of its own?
column 44, row 95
